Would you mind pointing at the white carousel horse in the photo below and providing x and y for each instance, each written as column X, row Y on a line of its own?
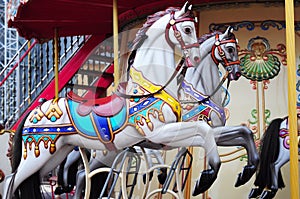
column 273, row 155
column 148, row 111
column 201, row 99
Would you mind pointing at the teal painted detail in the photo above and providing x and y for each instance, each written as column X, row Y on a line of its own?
column 34, row 121
column 118, row 120
column 53, row 118
column 143, row 113
column 36, row 138
column 82, row 123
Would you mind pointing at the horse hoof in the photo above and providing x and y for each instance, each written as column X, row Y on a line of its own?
column 206, row 180
column 59, row 190
column 268, row 194
column 150, row 177
column 255, row 192
column 245, row 175
column 162, row 176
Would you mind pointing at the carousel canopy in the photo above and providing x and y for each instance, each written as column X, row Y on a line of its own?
column 38, row 18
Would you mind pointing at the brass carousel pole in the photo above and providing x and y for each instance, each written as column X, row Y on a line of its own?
column 116, row 44
column 292, row 107
column 56, row 61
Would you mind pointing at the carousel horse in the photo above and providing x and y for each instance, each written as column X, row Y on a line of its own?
column 201, row 99
column 273, row 155
column 201, row 96
column 67, row 170
column 148, row 110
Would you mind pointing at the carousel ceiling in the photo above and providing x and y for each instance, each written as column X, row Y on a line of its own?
column 38, row 18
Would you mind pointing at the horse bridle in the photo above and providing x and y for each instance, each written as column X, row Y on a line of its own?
column 172, row 23
column 224, row 61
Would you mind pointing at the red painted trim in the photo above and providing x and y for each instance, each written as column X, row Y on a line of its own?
column 67, row 72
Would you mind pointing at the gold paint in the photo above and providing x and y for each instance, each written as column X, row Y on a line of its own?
column 52, row 148
column 54, row 110
column 150, row 125
column 25, row 153
column 36, row 113
column 161, row 117
column 140, row 130
column 138, row 78
column 37, row 151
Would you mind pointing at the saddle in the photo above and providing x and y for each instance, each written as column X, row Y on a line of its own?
column 107, row 106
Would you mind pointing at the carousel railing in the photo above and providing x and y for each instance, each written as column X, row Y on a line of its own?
column 23, row 78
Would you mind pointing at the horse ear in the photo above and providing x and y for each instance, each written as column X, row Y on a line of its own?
column 185, row 8
column 228, row 31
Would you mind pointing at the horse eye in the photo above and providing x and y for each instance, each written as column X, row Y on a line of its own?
column 187, row 30
column 230, row 50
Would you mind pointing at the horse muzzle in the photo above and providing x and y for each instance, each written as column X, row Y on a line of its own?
column 234, row 73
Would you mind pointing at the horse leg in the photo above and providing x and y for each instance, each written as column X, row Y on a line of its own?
column 8, row 186
column 239, row 136
column 282, row 159
column 163, row 171
column 186, row 134
column 72, row 158
column 32, row 164
column 100, row 160
column 148, row 155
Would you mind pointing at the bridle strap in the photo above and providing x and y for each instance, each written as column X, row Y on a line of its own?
column 179, row 66
column 224, row 61
column 172, row 23
column 226, row 93
column 216, row 89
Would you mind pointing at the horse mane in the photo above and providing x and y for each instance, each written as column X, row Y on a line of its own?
column 141, row 33
column 151, row 19
column 207, row 35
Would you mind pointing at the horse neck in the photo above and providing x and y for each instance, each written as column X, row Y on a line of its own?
column 155, row 59
column 205, row 78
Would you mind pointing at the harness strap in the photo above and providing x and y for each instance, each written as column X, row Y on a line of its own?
column 226, row 93
column 179, row 66
column 217, row 88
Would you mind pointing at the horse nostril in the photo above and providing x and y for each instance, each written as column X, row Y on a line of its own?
column 197, row 59
column 237, row 75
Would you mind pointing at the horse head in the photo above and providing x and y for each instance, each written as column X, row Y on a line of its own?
column 171, row 29
column 181, row 32
column 225, row 52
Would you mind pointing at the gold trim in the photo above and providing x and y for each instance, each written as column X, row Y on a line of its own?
column 137, row 76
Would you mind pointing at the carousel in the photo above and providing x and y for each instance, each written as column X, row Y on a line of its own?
column 151, row 99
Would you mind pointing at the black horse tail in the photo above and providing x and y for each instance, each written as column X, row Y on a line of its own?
column 29, row 188
column 268, row 155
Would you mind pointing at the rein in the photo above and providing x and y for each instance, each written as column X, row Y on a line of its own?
column 212, row 94
column 179, row 66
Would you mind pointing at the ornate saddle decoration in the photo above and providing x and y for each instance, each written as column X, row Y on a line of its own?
column 103, row 118
column 201, row 111
column 39, row 130
column 93, row 122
